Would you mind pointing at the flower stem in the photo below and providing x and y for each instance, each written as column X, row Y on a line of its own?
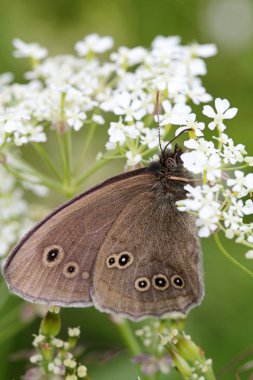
column 44, row 180
column 228, row 256
column 129, row 337
column 92, row 169
column 88, row 139
column 62, row 153
column 46, row 158
column 236, row 167
column 67, row 146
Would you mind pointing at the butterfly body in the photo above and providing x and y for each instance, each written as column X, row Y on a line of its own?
column 122, row 246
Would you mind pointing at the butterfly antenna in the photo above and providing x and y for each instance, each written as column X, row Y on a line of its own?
column 157, row 113
column 174, row 138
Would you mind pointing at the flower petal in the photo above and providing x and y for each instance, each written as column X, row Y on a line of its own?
column 230, row 113
column 221, row 105
column 209, row 111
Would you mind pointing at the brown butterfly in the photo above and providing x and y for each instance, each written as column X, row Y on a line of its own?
column 121, row 246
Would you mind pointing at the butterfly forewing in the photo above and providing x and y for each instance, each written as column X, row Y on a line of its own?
column 53, row 264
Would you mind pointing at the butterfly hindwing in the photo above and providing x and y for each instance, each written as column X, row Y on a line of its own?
column 149, row 263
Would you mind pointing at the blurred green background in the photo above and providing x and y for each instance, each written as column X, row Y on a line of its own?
column 222, row 325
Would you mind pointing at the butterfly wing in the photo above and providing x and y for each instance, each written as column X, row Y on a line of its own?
column 54, row 262
column 149, row 264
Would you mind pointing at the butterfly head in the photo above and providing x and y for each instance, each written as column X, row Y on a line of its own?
column 171, row 174
column 171, row 159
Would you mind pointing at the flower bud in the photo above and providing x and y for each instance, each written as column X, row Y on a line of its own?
column 188, row 349
column 181, row 364
column 51, row 324
column 178, row 324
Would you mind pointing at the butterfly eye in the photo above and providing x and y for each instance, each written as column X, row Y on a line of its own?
column 71, row 269
column 125, row 259
column 121, row 260
column 111, row 261
column 177, row 281
column 160, row 282
column 85, row 275
column 52, row 255
column 142, row 284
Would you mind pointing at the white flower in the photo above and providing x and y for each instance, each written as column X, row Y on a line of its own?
column 117, row 133
column 71, row 377
column 98, row 119
column 192, row 124
column 75, row 117
column 208, row 219
column 207, row 50
column 81, row 371
column 74, row 332
column 93, row 43
column 248, row 182
column 163, row 43
column 150, row 138
column 174, row 115
column 38, row 339
column 231, row 219
column 249, row 160
column 241, row 184
column 126, row 57
column 132, row 158
column 36, row 358
column 70, row 363
column 231, row 153
column 32, row 50
column 194, row 161
column 222, row 112
column 197, row 162
column 247, row 209
column 249, row 254
column 130, row 108
column 197, row 93
column 133, row 131
column 202, row 201
column 5, row 79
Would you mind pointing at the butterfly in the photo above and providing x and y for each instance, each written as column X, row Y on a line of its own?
column 122, row 246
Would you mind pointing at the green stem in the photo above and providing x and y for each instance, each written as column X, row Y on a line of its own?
column 67, row 155
column 51, row 184
column 129, row 337
column 236, row 167
column 92, row 169
column 43, row 154
column 62, row 153
column 228, row 256
column 132, row 343
column 219, row 141
column 88, row 139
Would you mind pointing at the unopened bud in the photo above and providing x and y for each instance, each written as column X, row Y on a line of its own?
column 188, row 349
column 181, row 364
column 51, row 324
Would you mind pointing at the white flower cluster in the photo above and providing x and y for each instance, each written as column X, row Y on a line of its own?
column 14, row 219
column 62, row 364
column 71, row 91
column 223, row 200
